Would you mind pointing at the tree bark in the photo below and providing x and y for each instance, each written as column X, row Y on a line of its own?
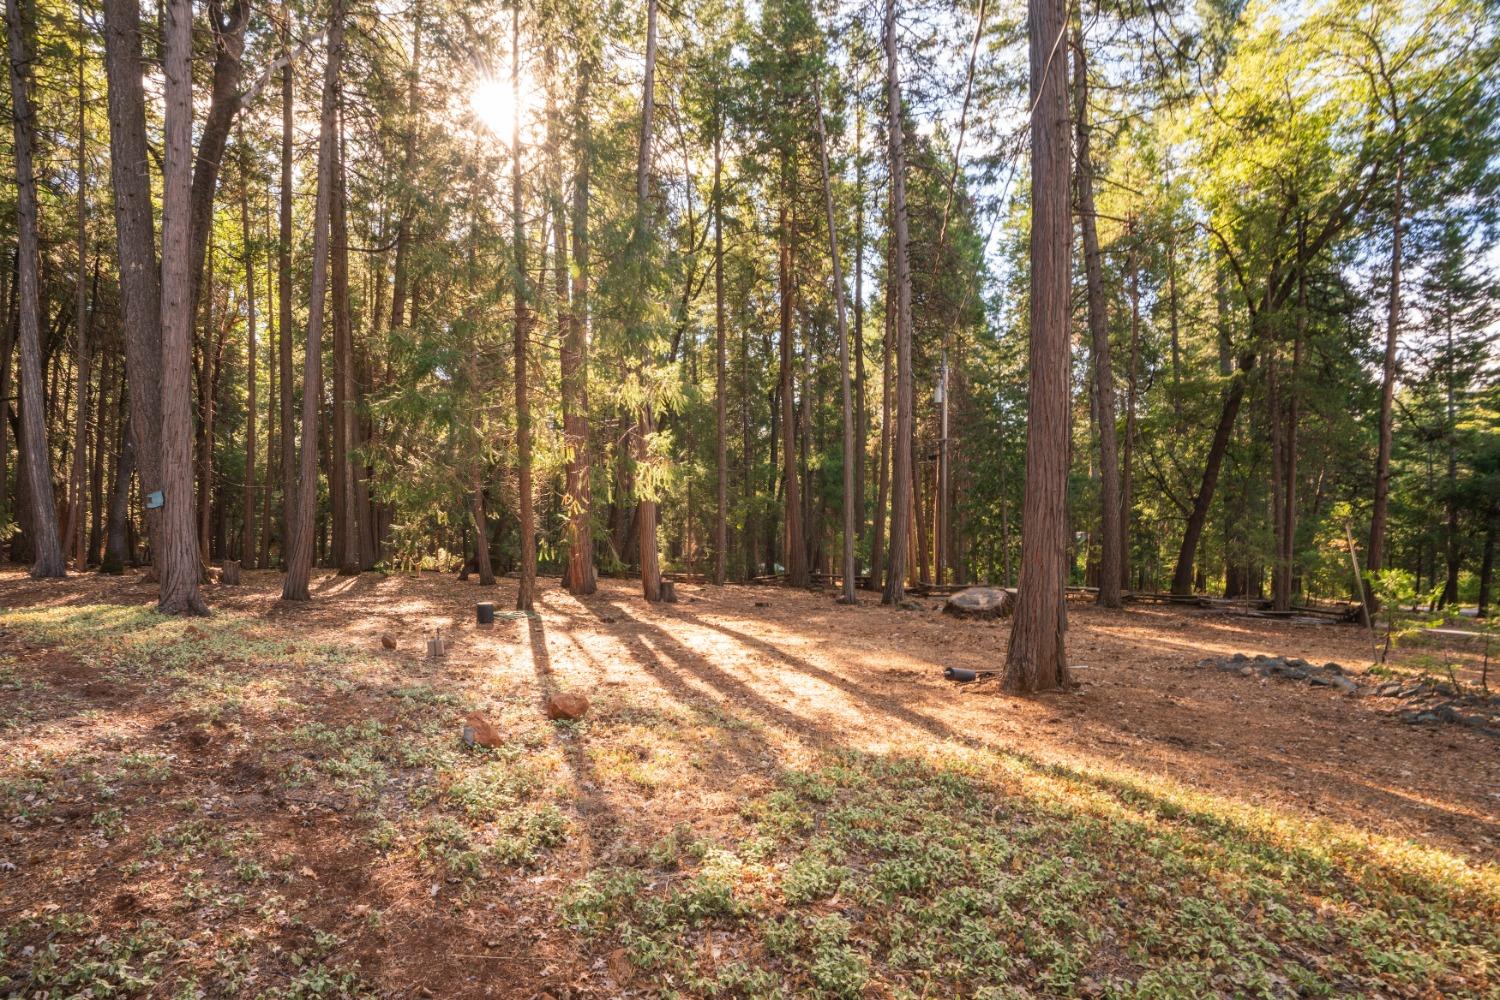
column 103, row 414
column 1487, row 563
column 883, row 473
column 581, row 575
column 1286, row 558
column 177, row 553
column 1127, row 471
column 1451, row 551
column 284, row 301
column 901, row 442
column 526, row 587
column 1234, row 394
column 721, row 451
column 223, row 104
column 117, row 539
column 8, row 293
column 215, row 328
column 299, row 559
column 1037, row 659
column 140, row 280
column 77, row 481
column 794, row 553
column 32, row 441
column 1375, row 554
column 1110, row 534
column 847, row 554
column 273, row 441
column 347, row 538
column 248, row 512
column 645, row 423
column 861, row 414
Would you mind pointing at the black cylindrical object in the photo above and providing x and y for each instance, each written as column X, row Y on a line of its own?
column 959, row 674
column 485, row 613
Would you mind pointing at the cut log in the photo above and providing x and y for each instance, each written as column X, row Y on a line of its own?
column 981, row 602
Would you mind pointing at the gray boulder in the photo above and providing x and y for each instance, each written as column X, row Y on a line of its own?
column 981, row 602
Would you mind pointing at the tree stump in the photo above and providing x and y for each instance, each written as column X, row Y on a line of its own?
column 981, row 602
column 229, row 573
column 668, row 592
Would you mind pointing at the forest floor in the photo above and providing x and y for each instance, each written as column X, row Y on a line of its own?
column 771, row 795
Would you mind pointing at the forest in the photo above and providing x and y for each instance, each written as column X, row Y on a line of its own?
column 723, row 347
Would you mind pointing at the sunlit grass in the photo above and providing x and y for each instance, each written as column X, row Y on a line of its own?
column 972, row 876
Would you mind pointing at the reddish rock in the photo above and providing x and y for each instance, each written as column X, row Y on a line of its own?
column 479, row 730
column 388, row 641
column 568, row 705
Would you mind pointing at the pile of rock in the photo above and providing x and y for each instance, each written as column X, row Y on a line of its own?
column 1429, row 702
column 1291, row 668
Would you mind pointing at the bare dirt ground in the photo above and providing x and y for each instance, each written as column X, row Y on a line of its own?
column 267, row 803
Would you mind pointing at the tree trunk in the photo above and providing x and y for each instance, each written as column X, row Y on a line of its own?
column 883, row 474
column 247, row 542
column 284, row 301
column 481, row 538
column 408, row 169
column 901, row 441
column 747, row 463
column 177, row 554
column 273, row 441
column 1287, row 569
column 299, row 559
column 1487, row 564
column 861, row 417
column 74, row 537
column 223, row 104
column 103, row 415
column 117, row 542
column 1110, row 534
column 140, row 289
column 794, row 549
column 1234, row 394
column 347, row 541
column 1127, row 470
column 210, row 375
column 7, row 348
column 846, row 568
column 581, row 574
column 645, row 423
column 1037, row 659
column 1375, row 555
column 1451, row 551
column 526, row 587
column 721, row 451
column 32, row 441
